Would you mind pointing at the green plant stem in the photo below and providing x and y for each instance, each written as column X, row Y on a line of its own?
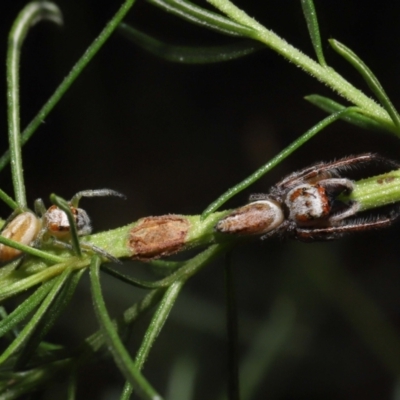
column 120, row 354
column 30, row 15
column 324, row 74
column 70, row 78
column 377, row 191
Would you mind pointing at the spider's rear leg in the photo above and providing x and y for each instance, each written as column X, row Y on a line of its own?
column 334, row 232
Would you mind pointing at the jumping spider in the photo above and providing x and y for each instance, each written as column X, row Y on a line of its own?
column 33, row 229
column 305, row 205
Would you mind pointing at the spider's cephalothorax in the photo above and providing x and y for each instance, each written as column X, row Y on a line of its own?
column 305, row 205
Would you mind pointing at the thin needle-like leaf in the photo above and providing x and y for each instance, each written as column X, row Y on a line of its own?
column 31, row 250
column 313, row 29
column 158, row 321
column 64, row 206
column 118, row 350
column 8, row 200
column 369, row 78
column 190, row 55
column 29, row 16
column 355, row 118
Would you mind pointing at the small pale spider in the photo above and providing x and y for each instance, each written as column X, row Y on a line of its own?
column 33, row 229
column 305, row 205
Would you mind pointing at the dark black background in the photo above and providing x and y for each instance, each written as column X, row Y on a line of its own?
column 173, row 138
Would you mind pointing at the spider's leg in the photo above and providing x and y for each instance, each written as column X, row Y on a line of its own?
column 94, row 193
column 91, row 247
column 258, row 196
column 331, row 169
column 335, row 186
column 333, row 232
column 87, row 247
column 353, row 208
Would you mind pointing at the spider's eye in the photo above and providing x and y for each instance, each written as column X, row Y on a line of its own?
column 24, row 228
column 252, row 219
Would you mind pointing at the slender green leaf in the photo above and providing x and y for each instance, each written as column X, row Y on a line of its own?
column 118, row 350
column 13, row 332
column 190, row 55
column 187, row 269
column 31, row 14
column 63, row 205
column 126, row 391
column 8, row 200
column 130, row 280
column 369, row 77
column 22, row 279
column 70, row 78
column 313, row 29
column 166, row 265
column 31, row 250
column 158, row 321
column 272, row 163
column 25, row 308
column 205, row 18
column 47, row 322
column 355, row 118
column 29, row 328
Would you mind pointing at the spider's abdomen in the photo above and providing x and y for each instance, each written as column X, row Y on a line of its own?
column 253, row 219
column 307, row 203
column 24, row 229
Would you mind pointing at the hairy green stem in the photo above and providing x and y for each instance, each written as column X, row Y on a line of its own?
column 30, row 15
column 324, row 74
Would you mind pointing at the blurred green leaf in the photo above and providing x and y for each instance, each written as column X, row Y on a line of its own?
column 187, row 54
